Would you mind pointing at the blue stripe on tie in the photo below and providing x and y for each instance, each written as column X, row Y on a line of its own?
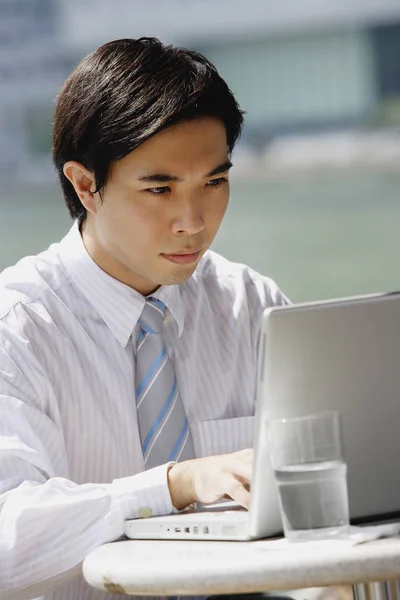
column 160, row 417
column 158, row 303
column 146, row 327
column 151, row 372
column 179, row 441
column 141, row 335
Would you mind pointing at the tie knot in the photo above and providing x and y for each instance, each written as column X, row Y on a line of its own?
column 152, row 315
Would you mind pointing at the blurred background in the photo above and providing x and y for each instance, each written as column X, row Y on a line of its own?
column 316, row 181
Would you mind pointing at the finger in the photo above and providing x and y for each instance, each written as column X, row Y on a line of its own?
column 245, row 484
column 235, row 489
column 241, row 468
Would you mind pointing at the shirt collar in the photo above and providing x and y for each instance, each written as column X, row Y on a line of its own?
column 118, row 305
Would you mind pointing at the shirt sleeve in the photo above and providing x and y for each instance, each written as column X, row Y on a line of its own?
column 48, row 524
column 270, row 293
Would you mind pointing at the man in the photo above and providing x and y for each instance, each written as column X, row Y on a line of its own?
column 128, row 351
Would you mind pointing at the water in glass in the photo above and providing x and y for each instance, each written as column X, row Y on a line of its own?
column 313, row 498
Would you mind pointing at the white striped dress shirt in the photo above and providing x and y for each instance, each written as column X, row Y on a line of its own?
column 71, row 463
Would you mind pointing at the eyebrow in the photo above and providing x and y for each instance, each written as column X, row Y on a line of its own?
column 165, row 178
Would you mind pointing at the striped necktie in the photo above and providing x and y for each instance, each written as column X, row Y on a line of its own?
column 163, row 426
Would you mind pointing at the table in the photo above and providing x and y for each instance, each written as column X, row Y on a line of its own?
column 206, row 568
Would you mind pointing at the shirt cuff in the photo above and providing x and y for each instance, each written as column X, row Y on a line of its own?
column 145, row 494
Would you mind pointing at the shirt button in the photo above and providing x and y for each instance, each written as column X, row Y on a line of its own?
column 145, row 512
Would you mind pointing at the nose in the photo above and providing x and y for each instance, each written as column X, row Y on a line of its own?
column 190, row 220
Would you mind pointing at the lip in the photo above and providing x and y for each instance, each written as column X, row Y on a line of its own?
column 183, row 258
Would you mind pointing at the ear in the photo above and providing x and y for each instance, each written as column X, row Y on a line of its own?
column 84, row 184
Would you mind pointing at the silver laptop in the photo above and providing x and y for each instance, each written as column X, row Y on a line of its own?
column 333, row 355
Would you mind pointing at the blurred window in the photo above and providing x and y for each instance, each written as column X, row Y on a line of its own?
column 38, row 129
column 387, row 48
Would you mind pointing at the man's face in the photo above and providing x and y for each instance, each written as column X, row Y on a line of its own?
column 162, row 206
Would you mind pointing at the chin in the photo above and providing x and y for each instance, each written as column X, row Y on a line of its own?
column 179, row 275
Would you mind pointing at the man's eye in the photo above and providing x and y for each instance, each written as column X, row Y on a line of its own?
column 217, row 182
column 159, row 190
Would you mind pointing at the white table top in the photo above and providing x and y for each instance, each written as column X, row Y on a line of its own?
column 205, row 568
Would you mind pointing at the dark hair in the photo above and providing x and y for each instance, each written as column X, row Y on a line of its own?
column 124, row 93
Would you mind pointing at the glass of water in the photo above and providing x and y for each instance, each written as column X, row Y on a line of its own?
column 311, row 475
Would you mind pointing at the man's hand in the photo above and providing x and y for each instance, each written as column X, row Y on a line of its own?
column 210, row 479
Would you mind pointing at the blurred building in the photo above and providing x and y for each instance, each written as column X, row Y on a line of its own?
column 32, row 66
column 295, row 66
